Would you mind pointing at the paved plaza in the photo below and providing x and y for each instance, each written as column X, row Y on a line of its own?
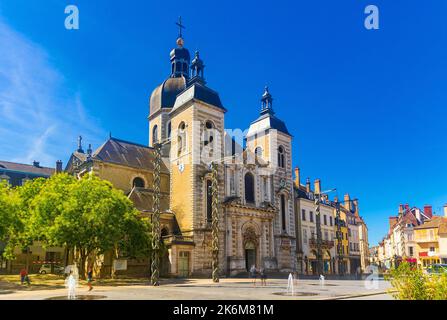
column 227, row 289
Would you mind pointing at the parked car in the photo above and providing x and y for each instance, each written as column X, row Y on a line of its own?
column 437, row 269
column 46, row 268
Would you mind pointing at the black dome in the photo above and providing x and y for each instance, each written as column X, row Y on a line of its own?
column 165, row 94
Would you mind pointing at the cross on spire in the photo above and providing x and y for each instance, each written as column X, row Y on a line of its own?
column 180, row 26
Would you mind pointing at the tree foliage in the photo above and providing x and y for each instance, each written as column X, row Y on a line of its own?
column 9, row 218
column 85, row 215
column 412, row 283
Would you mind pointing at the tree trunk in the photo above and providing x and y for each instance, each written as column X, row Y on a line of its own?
column 83, row 256
column 114, row 256
column 28, row 256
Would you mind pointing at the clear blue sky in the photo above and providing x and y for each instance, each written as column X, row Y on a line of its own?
column 367, row 108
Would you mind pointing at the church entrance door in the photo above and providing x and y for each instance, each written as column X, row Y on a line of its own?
column 250, row 255
column 183, row 264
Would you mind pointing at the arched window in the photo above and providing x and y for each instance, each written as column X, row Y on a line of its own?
column 283, row 212
column 249, row 188
column 258, row 153
column 208, row 133
column 168, row 131
column 209, row 201
column 281, row 157
column 138, row 182
column 181, row 138
column 164, row 232
column 154, row 134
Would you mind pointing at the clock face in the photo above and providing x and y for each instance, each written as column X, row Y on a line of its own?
column 181, row 167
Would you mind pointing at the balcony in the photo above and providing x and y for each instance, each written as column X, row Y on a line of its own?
column 427, row 239
column 325, row 244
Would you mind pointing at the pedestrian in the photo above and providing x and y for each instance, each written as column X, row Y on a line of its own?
column 90, row 278
column 27, row 280
column 23, row 275
column 253, row 274
column 263, row 276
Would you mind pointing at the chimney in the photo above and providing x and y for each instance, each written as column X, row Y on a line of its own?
column 392, row 222
column 401, row 208
column 297, row 177
column 308, row 185
column 428, row 211
column 317, row 186
column 335, row 199
column 356, row 203
column 58, row 166
column 445, row 210
column 347, row 202
column 36, row 164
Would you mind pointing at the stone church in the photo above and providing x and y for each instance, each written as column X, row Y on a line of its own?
column 256, row 211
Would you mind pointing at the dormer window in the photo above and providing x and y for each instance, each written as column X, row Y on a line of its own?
column 138, row 182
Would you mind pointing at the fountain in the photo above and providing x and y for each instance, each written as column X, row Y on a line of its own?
column 322, row 280
column 71, row 282
column 290, row 285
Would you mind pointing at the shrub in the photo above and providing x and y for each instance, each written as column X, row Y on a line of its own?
column 411, row 283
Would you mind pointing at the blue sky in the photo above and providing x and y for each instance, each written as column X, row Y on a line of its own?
column 367, row 108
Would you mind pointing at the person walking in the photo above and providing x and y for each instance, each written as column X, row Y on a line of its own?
column 90, row 279
column 253, row 274
column 263, row 276
column 24, row 276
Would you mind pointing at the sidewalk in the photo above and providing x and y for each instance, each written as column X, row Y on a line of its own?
column 205, row 289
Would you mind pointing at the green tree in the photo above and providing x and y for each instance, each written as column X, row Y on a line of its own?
column 9, row 207
column 19, row 234
column 89, row 216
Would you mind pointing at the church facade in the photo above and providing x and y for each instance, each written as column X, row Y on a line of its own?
column 256, row 190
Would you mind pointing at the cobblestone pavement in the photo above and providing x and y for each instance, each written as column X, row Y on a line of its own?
column 227, row 289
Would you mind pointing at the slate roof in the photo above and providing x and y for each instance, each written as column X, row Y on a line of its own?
column 128, row 154
column 201, row 92
column 165, row 94
column 273, row 122
column 26, row 168
column 435, row 222
column 143, row 200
